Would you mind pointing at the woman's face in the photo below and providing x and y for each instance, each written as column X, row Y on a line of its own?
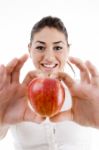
column 49, row 50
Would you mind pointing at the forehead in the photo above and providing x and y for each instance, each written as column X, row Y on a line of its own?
column 49, row 35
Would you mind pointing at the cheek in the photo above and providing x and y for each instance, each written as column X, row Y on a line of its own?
column 63, row 58
column 36, row 58
column 63, row 61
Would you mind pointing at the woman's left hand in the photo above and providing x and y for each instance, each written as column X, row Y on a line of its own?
column 85, row 95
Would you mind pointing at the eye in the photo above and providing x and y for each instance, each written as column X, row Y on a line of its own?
column 40, row 48
column 57, row 48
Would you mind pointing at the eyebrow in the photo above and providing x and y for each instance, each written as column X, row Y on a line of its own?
column 53, row 42
column 58, row 42
column 40, row 42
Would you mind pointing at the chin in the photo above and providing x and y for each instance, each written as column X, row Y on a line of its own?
column 51, row 74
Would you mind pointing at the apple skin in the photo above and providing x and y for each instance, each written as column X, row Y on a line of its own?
column 46, row 96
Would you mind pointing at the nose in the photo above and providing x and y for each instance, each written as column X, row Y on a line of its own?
column 49, row 55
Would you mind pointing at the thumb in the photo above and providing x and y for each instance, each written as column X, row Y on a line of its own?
column 31, row 116
column 62, row 116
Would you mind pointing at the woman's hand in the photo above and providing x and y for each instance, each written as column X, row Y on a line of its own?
column 85, row 95
column 13, row 99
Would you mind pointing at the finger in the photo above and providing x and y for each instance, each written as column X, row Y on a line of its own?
column 66, row 79
column 30, row 76
column 82, row 67
column 7, row 94
column 93, row 71
column 2, row 72
column 19, row 65
column 62, row 116
column 33, row 117
column 13, row 68
column 9, row 69
column 21, row 62
column 2, row 76
column 11, row 65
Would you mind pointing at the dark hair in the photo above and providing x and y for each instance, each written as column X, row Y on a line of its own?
column 52, row 22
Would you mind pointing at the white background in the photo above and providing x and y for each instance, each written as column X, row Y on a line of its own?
column 81, row 18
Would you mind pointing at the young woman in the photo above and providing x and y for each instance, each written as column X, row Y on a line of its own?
column 49, row 51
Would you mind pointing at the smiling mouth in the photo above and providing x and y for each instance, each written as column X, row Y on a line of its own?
column 49, row 66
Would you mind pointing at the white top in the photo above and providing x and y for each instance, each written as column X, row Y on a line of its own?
column 68, row 135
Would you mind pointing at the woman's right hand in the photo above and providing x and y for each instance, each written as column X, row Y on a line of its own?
column 13, row 99
column 84, row 94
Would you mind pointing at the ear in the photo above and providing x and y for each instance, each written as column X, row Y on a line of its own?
column 29, row 49
column 68, row 51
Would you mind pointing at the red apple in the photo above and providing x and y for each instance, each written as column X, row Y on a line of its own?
column 46, row 96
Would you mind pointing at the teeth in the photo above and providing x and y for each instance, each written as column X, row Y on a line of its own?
column 49, row 65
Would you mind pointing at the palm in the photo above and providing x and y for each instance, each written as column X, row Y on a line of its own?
column 13, row 99
column 14, row 109
column 85, row 95
column 83, row 107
